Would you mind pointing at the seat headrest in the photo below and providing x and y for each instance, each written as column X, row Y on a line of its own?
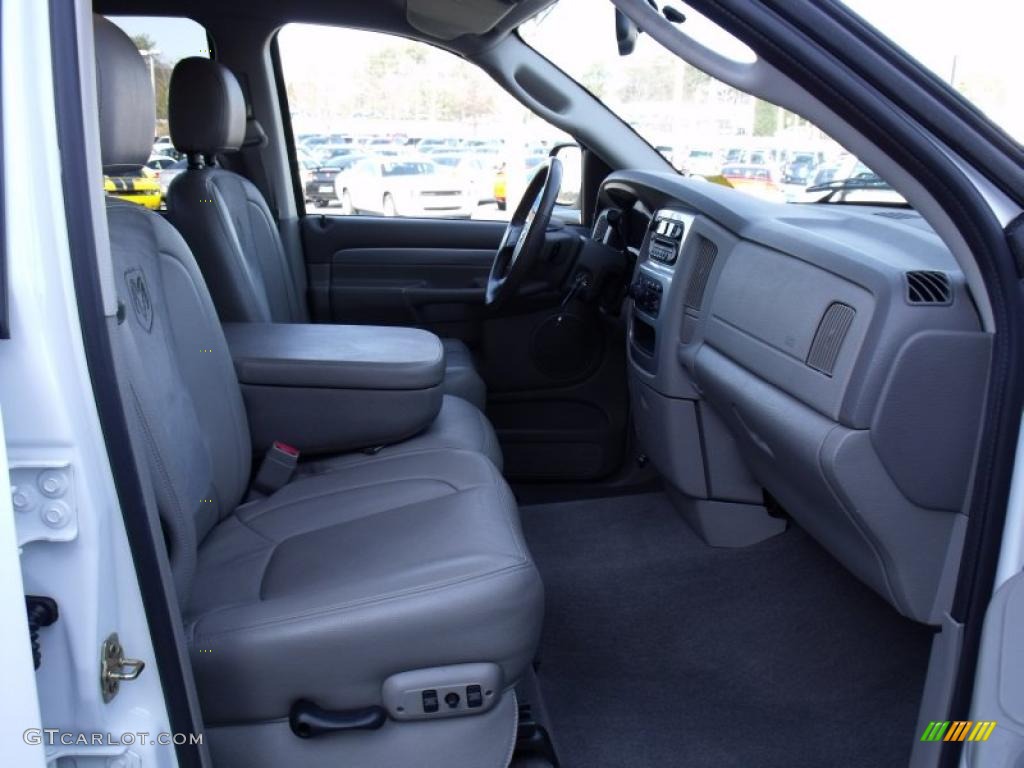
column 206, row 108
column 125, row 99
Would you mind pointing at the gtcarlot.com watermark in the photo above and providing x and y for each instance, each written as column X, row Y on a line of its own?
column 53, row 737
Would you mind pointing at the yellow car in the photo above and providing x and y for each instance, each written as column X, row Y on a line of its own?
column 500, row 186
column 139, row 187
column 498, row 189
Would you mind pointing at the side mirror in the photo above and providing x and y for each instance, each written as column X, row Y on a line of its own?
column 572, row 173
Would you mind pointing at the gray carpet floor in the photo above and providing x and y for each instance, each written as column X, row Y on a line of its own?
column 660, row 651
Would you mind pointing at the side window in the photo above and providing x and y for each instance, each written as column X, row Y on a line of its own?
column 430, row 135
column 163, row 42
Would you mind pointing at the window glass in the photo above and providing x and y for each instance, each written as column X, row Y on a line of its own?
column 976, row 50
column 409, row 130
column 702, row 126
column 163, row 42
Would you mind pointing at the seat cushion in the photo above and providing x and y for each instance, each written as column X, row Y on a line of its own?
column 458, row 425
column 342, row 579
column 460, row 375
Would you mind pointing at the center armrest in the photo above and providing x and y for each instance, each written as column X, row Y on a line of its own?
column 337, row 356
column 333, row 388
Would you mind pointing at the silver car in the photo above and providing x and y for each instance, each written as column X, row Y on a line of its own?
column 403, row 186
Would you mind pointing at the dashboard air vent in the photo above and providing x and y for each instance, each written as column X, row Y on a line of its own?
column 928, row 287
column 707, row 252
column 829, row 337
column 600, row 227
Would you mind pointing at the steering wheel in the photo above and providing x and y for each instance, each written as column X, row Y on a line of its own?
column 524, row 236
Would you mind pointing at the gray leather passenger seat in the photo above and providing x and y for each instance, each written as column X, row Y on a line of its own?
column 249, row 273
column 369, row 585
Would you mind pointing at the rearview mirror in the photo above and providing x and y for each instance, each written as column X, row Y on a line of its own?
column 625, row 33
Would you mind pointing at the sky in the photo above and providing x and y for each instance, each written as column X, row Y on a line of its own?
column 175, row 38
column 979, row 41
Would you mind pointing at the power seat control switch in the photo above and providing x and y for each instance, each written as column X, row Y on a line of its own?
column 456, row 690
column 430, row 701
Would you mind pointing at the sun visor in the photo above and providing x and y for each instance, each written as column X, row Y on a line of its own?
column 448, row 19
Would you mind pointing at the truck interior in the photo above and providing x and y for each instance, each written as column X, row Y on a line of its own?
column 666, row 474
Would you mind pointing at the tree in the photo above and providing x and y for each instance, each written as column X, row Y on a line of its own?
column 161, row 72
column 144, row 42
column 595, row 79
column 766, row 118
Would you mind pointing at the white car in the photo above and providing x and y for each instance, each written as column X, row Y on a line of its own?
column 477, row 171
column 701, row 162
column 397, row 186
column 164, row 146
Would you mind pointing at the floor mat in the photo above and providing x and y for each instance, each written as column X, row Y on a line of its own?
column 660, row 651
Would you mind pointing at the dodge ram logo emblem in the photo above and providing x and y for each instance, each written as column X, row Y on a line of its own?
column 138, row 292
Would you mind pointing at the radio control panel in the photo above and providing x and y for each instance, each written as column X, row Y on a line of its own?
column 666, row 236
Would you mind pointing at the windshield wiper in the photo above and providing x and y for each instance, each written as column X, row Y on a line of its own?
column 854, row 182
column 844, row 185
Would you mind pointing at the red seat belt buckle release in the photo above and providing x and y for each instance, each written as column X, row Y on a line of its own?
column 291, row 450
column 276, row 469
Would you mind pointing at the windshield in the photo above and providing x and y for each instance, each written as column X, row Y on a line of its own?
column 976, row 50
column 700, row 125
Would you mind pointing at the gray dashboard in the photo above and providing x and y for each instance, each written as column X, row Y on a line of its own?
column 825, row 357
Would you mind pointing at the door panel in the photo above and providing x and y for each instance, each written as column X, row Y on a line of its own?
column 407, row 286
column 999, row 685
column 555, row 376
column 422, row 272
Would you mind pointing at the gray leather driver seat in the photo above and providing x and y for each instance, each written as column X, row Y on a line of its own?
column 369, row 586
column 235, row 240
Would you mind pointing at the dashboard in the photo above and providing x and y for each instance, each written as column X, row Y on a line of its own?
column 824, row 359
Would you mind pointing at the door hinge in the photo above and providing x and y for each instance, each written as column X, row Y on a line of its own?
column 115, row 668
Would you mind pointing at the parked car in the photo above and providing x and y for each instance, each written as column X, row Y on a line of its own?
column 138, row 187
column 755, row 179
column 157, row 163
column 324, row 152
column 500, row 184
column 476, row 170
column 168, row 173
column 404, row 186
column 320, row 186
column 432, row 145
column 799, row 169
column 701, row 162
column 162, row 145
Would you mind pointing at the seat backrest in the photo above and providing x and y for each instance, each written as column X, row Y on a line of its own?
column 222, row 215
column 183, row 391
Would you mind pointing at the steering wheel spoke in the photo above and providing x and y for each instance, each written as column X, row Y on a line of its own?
column 523, row 239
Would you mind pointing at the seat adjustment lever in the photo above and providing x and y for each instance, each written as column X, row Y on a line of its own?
column 308, row 720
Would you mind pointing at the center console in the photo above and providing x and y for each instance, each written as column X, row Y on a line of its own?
column 335, row 388
column 684, row 439
column 652, row 284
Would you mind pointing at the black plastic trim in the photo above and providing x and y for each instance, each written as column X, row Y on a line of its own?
column 99, row 355
column 286, row 125
column 848, row 74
